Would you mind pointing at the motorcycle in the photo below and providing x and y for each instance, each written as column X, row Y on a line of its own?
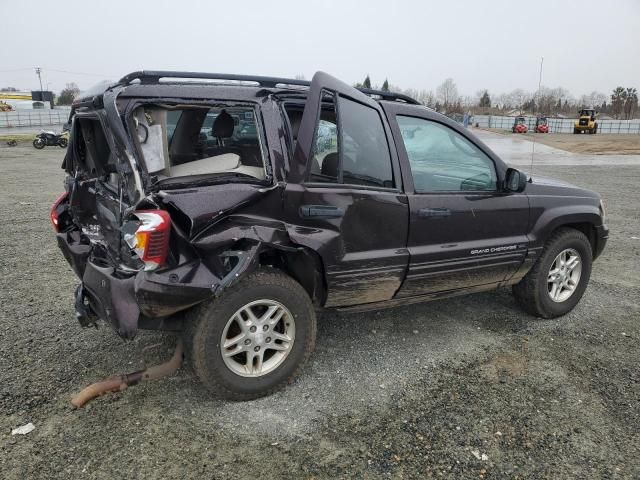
column 51, row 139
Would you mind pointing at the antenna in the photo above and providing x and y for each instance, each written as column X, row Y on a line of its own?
column 535, row 107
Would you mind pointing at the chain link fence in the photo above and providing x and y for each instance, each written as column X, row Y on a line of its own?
column 34, row 118
column 558, row 125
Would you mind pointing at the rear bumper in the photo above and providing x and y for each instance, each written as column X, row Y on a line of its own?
column 127, row 300
column 602, row 235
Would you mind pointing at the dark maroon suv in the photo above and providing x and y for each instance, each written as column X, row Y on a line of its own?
column 233, row 208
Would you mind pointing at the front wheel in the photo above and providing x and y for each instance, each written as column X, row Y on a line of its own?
column 254, row 338
column 39, row 143
column 557, row 281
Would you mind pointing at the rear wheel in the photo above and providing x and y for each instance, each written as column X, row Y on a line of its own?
column 62, row 142
column 595, row 129
column 575, row 130
column 254, row 338
column 38, row 143
column 557, row 281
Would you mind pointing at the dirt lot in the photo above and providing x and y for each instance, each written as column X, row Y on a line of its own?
column 462, row 388
column 599, row 144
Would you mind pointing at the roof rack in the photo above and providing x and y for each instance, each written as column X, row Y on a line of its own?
column 151, row 77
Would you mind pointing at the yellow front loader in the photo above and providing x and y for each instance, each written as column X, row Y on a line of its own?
column 586, row 121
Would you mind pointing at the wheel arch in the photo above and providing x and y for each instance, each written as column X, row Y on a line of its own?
column 303, row 265
column 585, row 220
column 586, row 227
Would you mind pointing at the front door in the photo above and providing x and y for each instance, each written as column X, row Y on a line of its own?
column 465, row 231
column 344, row 195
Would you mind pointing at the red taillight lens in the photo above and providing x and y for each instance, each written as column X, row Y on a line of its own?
column 151, row 240
column 54, row 214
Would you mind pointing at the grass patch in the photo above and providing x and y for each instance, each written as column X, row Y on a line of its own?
column 18, row 138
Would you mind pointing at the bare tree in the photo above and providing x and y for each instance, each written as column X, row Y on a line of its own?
column 447, row 93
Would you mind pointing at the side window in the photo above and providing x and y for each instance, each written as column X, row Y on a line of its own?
column 199, row 140
column 324, row 161
column 365, row 152
column 442, row 160
column 350, row 145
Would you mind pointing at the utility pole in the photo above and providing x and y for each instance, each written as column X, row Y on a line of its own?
column 38, row 71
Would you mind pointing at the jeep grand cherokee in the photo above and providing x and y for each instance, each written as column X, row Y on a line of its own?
column 233, row 208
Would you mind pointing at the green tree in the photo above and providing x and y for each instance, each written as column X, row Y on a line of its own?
column 618, row 98
column 385, row 85
column 68, row 94
column 367, row 82
column 630, row 102
column 485, row 100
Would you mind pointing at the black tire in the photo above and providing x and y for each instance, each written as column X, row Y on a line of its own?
column 38, row 143
column 575, row 130
column 532, row 292
column 62, row 142
column 206, row 323
column 595, row 129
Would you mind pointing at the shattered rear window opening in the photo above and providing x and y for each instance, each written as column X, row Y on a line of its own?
column 198, row 140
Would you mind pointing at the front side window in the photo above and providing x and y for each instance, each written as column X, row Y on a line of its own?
column 350, row 145
column 442, row 160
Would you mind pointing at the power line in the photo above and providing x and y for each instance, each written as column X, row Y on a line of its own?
column 77, row 73
column 55, row 70
column 16, row 70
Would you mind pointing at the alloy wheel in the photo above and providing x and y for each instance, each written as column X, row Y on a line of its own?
column 564, row 275
column 257, row 338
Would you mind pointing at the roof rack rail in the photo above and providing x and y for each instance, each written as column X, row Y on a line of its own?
column 150, row 77
column 392, row 96
column 153, row 77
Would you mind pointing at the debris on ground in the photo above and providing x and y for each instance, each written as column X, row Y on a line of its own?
column 24, row 429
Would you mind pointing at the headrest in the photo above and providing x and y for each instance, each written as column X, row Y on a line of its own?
column 222, row 125
column 330, row 165
column 295, row 118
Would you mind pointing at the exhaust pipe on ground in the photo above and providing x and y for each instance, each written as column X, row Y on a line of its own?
column 122, row 382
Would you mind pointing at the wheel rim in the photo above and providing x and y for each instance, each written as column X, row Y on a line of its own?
column 257, row 338
column 564, row 275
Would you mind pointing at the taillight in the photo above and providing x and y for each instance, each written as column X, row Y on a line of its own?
column 54, row 214
column 151, row 240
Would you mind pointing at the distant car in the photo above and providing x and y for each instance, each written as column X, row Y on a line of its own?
column 340, row 201
column 519, row 125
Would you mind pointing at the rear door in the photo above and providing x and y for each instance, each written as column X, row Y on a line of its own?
column 344, row 194
column 102, row 181
column 465, row 231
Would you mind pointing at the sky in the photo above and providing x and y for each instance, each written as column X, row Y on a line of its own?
column 491, row 44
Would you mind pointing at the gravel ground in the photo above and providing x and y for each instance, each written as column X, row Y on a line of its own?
column 599, row 144
column 463, row 388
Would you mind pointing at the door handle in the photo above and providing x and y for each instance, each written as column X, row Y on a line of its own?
column 321, row 211
column 434, row 212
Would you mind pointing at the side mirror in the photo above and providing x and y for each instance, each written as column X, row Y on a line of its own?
column 515, row 180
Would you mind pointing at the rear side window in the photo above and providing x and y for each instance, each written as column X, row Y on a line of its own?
column 200, row 140
column 350, row 145
column 365, row 152
column 93, row 148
